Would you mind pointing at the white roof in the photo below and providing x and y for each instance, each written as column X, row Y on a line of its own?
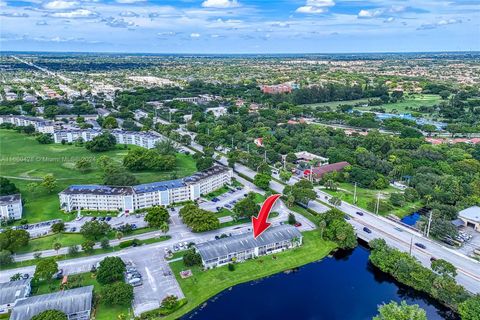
column 472, row 213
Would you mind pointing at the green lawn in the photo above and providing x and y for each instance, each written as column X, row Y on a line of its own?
column 68, row 239
column 217, row 193
column 23, row 160
column 81, row 254
column 205, row 284
column 413, row 101
column 364, row 196
column 334, row 104
column 101, row 311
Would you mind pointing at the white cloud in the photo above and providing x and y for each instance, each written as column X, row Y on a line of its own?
column 129, row 14
column 79, row 13
column 380, row 12
column 194, row 35
column 439, row 23
column 60, row 5
column 14, row 15
column 315, row 6
column 220, row 4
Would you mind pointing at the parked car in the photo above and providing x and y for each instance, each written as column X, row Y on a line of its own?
column 108, row 218
column 433, row 259
column 298, row 224
column 135, row 282
column 346, row 217
column 420, row 245
column 360, row 213
column 367, row 230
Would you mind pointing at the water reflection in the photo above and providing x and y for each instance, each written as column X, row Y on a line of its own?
column 344, row 286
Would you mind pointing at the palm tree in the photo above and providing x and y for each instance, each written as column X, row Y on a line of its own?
column 119, row 235
column 164, row 227
column 322, row 225
column 57, row 246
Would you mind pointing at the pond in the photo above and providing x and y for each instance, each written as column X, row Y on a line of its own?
column 345, row 286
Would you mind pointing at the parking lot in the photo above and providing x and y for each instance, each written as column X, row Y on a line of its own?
column 226, row 200
column 471, row 241
column 158, row 281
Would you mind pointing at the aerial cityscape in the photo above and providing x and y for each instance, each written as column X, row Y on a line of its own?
column 237, row 159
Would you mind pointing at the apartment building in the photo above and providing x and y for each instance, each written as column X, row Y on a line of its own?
column 241, row 247
column 129, row 199
column 11, row 207
column 40, row 125
column 141, row 139
column 12, row 292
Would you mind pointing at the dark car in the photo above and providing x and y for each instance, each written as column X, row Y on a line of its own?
column 360, row 213
column 367, row 230
column 346, row 217
column 420, row 245
column 433, row 259
column 215, row 199
column 94, row 218
column 109, row 218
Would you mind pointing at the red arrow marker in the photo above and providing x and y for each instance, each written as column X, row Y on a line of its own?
column 260, row 223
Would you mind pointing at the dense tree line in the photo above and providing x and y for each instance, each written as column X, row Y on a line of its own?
column 197, row 219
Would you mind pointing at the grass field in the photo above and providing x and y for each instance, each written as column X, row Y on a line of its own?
column 364, row 196
column 67, row 239
column 102, row 311
column 206, row 284
column 413, row 101
column 23, row 160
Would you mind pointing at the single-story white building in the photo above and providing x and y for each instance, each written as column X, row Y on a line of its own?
column 471, row 217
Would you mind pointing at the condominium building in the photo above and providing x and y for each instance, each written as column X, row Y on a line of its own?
column 12, row 292
column 11, row 207
column 241, row 247
column 73, row 135
column 129, row 199
column 40, row 125
column 141, row 139
column 75, row 303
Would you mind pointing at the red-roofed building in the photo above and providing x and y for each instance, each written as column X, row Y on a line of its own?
column 277, row 88
column 318, row 172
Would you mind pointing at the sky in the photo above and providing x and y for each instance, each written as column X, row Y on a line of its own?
column 239, row 26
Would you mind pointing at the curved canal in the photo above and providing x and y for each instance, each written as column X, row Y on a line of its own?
column 344, row 287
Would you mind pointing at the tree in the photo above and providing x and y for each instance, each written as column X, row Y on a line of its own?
column 262, row 181
column 247, row 207
column 342, row 233
column 83, row 165
column 73, row 250
column 197, row 219
column 45, row 138
column 204, row 163
column 115, row 175
column 285, row 175
column 166, row 147
column 109, row 123
column 291, row 219
column 87, row 246
column 57, row 246
column 7, row 187
column 50, row 315
column 103, row 142
column 118, row 293
column 94, row 229
column 119, row 235
column 470, row 308
column 170, row 302
column 164, row 227
column 5, row 258
column 105, row 243
column 17, row 276
column 156, row 216
column 111, row 269
column 12, row 240
column 192, row 258
column 49, row 182
column 45, row 269
column 402, row 311
column 335, row 201
column 321, row 226
column 58, row 227
column 444, row 268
